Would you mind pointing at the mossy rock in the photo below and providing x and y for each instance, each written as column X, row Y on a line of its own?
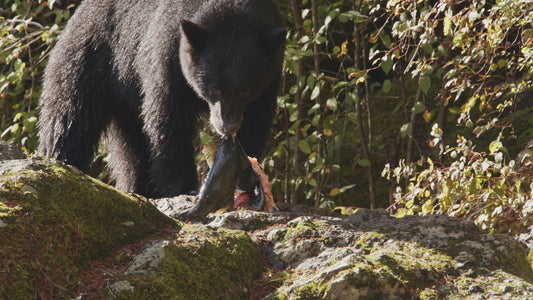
column 54, row 221
column 374, row 256
column 201, row 263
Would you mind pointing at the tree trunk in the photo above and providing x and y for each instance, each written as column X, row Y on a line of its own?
column 360, row 64
column 320, row 111
column 296, row 169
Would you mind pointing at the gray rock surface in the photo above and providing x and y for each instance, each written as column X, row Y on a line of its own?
column 371, row 255
column 9, row 151
column 149, row 259
column 174, row 207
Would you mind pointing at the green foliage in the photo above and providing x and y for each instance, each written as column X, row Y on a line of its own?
column 28, row 30
column 463, row 67
column 313, row 133
column 484, row 52
column 487, row 187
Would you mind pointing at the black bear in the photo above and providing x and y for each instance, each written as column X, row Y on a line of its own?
column 141, row 72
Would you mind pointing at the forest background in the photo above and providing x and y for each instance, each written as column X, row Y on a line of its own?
column 419, row 107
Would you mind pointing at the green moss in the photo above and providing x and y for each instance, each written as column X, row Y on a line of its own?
column 306, row 225
column 372, row 236
column 463, row 283
column 429, row 294
column 530, row 259
column 325, row 239
column 8, row 211
column 121, row 257
column 410, row 266
column 372, row 282
column 58, row 222
column 508, row 284
column 309, row 291
column 512, row 261
column 258, row 222
column 217, row 263
column 492, row 285
column 279, row 296
column 365, row 240
column 345, row 210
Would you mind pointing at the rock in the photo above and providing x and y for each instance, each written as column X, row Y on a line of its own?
column 119, row 287
column 527, row 237
column 149, row 259
column 55, row 221
column 176, row 206
column 372, row 255
column 201, row 263
column 9, row 151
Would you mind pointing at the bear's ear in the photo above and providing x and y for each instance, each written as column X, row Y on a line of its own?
column 196, row 35
column 273, row 39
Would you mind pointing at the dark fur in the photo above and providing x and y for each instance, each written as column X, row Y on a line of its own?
column 143, row 71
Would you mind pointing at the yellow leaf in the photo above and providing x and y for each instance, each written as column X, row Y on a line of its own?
column 334, row 192
column 400, row 213
column 328, row 132
column 427, row 207
column 495, row 146
column 307, row 26
column 396, row 52
column 427, row 116
column 344, row 49
column 312, row 155
column 373, row 38
column 447, row 26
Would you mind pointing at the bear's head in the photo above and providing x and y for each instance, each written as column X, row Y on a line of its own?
column 230, row 68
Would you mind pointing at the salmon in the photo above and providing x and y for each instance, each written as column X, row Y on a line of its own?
column 230, row 170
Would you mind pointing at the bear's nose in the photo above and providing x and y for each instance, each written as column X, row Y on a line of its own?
column 231, row 127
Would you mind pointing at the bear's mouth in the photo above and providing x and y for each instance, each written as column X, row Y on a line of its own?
column 225, row 121
column 229, row 128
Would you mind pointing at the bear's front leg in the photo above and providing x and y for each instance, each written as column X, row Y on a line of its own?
column 170, row 114
column 170, row 126
column 169, row 111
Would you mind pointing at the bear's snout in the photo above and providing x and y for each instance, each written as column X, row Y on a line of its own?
column 230, row 128
column 226, row 120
